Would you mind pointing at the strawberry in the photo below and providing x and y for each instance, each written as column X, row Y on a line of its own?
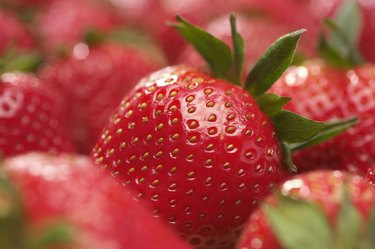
column 339, row 87
column 30, row 118
column 63, row 23
column 103, row 73
column 330, row 93
column 249, row 27
column 13, row 33
column 200, row 150
column 321, row 209
column 310, row 13
column 60, row 190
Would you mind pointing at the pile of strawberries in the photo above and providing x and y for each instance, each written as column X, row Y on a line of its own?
column 123, row 125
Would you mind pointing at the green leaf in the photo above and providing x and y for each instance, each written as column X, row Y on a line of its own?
column 238, row 47
column 299, row 224
column 369, row 240
column 348, row 18
column 287, row 157
column 348, row 224
column 331, row 55
column 293, row 128
column 338, row 50
column 273, row 63
column 215, row 52
column 330, row 130
column 271, row 104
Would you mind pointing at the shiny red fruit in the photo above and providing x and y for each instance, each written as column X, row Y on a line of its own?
column 30, row 118
column 92, row 82
column 69, row 189
column 323, row 93
column 197, row 149
column 323, row 189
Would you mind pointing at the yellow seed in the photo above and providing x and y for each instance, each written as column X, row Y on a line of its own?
column 208, row 91
column 144, row 120
column 208, row 162
column 212, row 117
column 210, row 103
column 129, row 113
column 231, row 117
column 160, row 140
column 174, row 121
column 144, row 168
column 131, row 170
column 155, row 182
column 210, row 147
column 131, row 125
column 149, row 137
column 133, row 158
column 191, row 110
column 190, row 157
column 173, row 108
column 190, row 98
column 159, row 154
column 193, row 139
column 173, row 94
column 228, row 104
column 175, row 151
column 159, row 96
column 111, row 152
column 117, row 120
column 230, row 129
column 122, row 145
column 143, row 105
column 160, row 126
column 175, row 136
column 158, row 112
column 230, row 147
column 146, row 154
column 119, row 131
column 135, row 140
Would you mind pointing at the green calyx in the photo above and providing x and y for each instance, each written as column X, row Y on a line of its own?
column 14, row 230
column 294, row 131
column 13, row 60
column 299, row 224
column 339, row 49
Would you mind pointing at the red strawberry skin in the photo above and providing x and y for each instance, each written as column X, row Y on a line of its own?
column 64, row 22
column 322, row 188
column 322, row 93
column 197, row 149
column 92, row 82
column 71, row 188
column 30, row 119
column 13, row 33
column 249, row 27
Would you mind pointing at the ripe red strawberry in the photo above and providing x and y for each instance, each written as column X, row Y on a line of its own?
column 330, row 93
column 199, row 149
column 13, row 33
column 322, row 209
column 30, row 118
column 69, row 189
column 92, row 82
column 249, row 27
column 64, row 22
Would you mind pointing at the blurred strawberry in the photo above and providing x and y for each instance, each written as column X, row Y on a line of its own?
column 330, row 93
column 63, row 23
column 92, row 81
column 30, row 118
column 69, row 190
column 14, row 35
column 322, row 209
column 309, row 14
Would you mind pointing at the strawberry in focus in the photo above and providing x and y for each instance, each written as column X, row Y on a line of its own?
column 59, row 190
column 30, row 118
column 321, row 209
column 92, row 81
column 202, row 151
